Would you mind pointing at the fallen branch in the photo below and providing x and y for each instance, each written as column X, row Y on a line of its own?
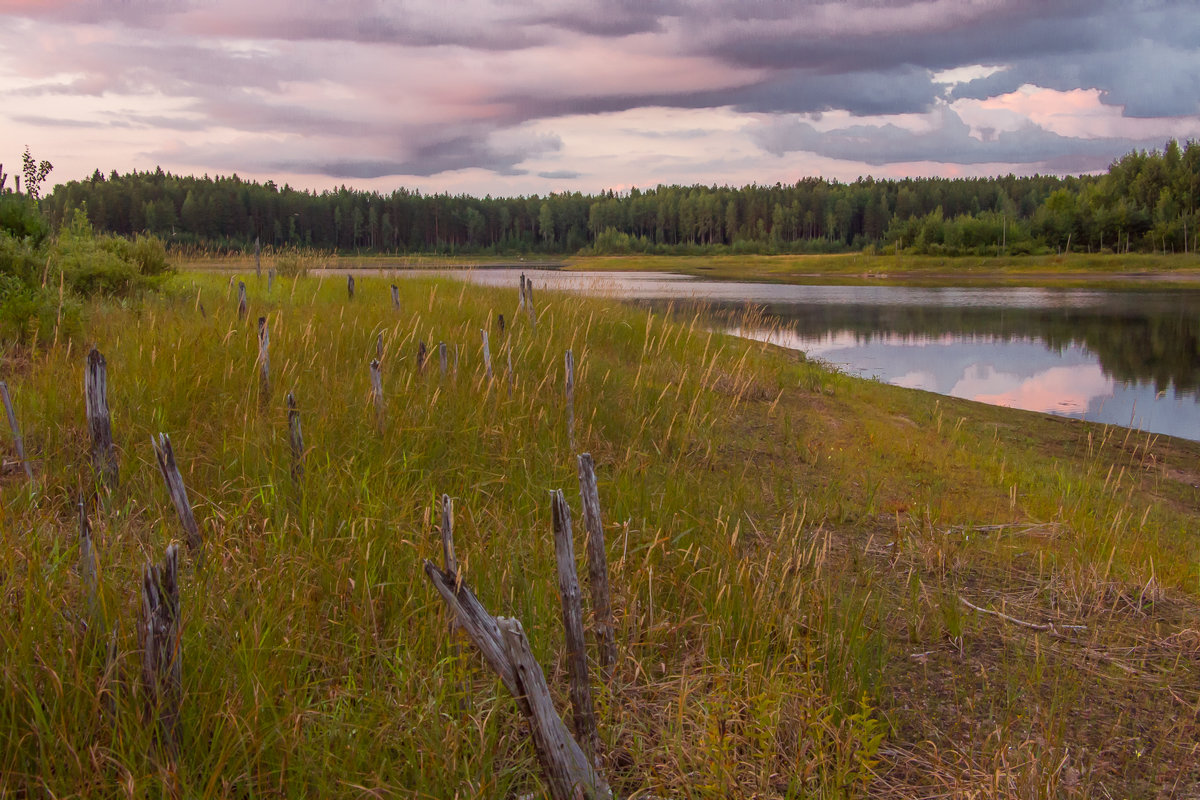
column 1033, row 625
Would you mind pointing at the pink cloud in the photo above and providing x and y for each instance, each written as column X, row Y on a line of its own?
column 1063, row 390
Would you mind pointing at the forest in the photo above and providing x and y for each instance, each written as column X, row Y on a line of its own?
column 1145, row 202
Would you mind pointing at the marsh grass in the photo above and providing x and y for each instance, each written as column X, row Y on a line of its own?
column 788, row 550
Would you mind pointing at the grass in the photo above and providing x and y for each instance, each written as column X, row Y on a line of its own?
column 790, row 552
column 1075, row 269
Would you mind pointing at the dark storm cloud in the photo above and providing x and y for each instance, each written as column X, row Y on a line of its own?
column 949, row 142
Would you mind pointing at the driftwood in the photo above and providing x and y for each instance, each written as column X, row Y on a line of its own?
column 395, row 297
column 597, row 566
column 569, row 394
column 264, row 361
column 242, row 304
column 296, row 438
column 18, row 442
column 487, row 355
column 170, row 472
column 158, row 639
column 505, row 649
column 583, row 713
column 95, row 394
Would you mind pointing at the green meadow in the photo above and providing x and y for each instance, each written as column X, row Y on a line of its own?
column 823, row 586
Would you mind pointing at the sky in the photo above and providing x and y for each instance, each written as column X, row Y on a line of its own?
column 508, row 98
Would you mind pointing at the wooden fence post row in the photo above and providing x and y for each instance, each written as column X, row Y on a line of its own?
column 502, row 643
column 18, row 442
column 597, row 566
column 95, row 395
column 158, row 639
column 170, row 472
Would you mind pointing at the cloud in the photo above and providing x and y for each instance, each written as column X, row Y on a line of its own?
column 949, row 140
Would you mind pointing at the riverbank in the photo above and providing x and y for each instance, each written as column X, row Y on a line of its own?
column 823, row 585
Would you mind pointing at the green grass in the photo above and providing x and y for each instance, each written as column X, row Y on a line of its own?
column 789, row 551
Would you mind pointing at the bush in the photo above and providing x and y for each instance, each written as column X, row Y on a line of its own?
column 107, row 264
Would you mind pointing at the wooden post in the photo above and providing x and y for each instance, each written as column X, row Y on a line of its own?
column 377, row 389
column 583, row 714
column 451, row 563
column 170, row 472
column 242, row 305
column 395, row 297
column 89, row 568
column 158, row 639
column 442, row 357
column 508, row 352
column 564, row 764
column 529, row 304
column 487, row 355
column 18, row 442
column 597, row 565
column 422, row 352
column 257, row 259
column 349, row 287
column 500, row 322
column 95, row 395
column 569, row 392
column 521, row 304
column 264, row 361
column 296, row 438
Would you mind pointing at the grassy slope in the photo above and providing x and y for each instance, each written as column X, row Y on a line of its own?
column 790, row 549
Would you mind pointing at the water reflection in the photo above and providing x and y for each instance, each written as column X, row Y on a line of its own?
column 1121, row 357
column 1126, row 358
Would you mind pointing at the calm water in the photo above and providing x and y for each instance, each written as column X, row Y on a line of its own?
column 1121, row 357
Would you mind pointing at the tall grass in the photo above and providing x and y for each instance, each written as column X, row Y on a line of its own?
column 781, row 539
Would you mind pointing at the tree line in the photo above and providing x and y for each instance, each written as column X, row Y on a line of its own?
column 1146, row 201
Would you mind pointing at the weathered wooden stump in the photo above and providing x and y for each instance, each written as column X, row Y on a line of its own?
column 487, row 355
column 569, row 396
column 597, row 566
column 583, row 712
column 158, row 638
column 264, row 361
column 395, row 297
column 377, row 390
column 296, row 438
column 174, row 481
column 243, row 306
column 349, row 287
column 95, row 395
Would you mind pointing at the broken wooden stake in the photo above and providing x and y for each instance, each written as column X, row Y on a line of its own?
column 296, row 438
column 377, row 390
column 270, row 279
column 422, row 352
column 158, row 639
column 505, row 649
column 569, row 392
column 264, row 361
column 395, row 297
column 442, row 357
column 509, row 370
column 89, row 568
column 349, row 287
column 500, row 323
column 95, row 395
column 242, row 304
column 597, row 566
column 379, row 345
column 583, row 713
column 18, row 442
column 170, row 472
column 529, row 304
column 521, row 303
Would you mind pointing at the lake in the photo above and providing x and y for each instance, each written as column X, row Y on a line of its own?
column 1121, row 357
